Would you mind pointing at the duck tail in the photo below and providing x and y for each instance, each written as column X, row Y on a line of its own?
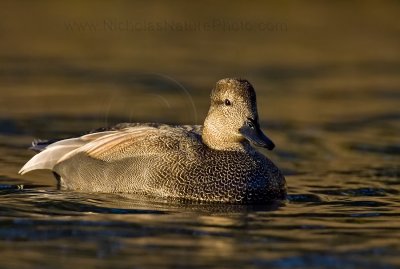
column 39, row 145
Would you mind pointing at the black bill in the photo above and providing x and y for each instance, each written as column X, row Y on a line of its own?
column 252, row 132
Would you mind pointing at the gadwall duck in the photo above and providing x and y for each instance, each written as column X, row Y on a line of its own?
column 214, row 162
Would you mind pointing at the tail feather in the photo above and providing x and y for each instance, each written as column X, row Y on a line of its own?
column 39, row 145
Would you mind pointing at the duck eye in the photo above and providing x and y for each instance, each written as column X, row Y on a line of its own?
column 227, row 102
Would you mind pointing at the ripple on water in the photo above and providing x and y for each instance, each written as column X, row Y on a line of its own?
column 374, row 192
column 376, row 149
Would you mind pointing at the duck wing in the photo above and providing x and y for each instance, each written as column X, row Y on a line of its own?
column 116, row 144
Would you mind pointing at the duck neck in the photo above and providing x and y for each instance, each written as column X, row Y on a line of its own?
column 215, row 139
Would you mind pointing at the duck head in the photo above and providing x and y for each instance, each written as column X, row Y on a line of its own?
column 233, row 118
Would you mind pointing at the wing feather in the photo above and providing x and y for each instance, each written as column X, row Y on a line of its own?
column 108, row 145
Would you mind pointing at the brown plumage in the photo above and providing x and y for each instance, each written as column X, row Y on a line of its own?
column 214, row 162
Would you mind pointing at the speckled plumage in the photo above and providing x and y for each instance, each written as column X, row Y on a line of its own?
column 214, row 162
